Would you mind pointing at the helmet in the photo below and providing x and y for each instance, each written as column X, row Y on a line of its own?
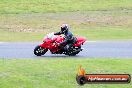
column 64, row 28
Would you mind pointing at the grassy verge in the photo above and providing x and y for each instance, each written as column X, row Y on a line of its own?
column 58, row 73
column 7, row 36
column 94, row 25
column 44, row 6
column 29, row 20
column 96, row 33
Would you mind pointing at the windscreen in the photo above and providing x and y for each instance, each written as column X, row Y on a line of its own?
column 50, row 35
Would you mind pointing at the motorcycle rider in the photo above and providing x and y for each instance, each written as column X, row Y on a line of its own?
column 68, row 36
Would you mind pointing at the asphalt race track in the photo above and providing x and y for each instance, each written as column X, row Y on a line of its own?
column 101, row 49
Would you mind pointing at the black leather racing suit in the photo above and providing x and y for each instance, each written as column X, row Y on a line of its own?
column 69, row 39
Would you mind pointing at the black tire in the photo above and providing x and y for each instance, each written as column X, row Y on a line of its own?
column 38, row 51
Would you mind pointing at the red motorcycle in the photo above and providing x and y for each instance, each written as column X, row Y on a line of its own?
column 51, row 42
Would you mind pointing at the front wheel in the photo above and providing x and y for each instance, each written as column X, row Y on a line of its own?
column 38, row 51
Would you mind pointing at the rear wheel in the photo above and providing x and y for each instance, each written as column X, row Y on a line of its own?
column 38, row 51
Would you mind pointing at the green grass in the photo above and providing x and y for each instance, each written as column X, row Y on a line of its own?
column 44, row 6
column 94, row 25
column 30, row 20
column 58, row 73
column 99, row 33
column 19, row 36
column 106, row 33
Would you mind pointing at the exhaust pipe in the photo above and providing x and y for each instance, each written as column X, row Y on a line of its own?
column 78, row 50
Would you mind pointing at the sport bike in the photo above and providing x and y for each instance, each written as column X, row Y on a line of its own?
column 51, row 43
